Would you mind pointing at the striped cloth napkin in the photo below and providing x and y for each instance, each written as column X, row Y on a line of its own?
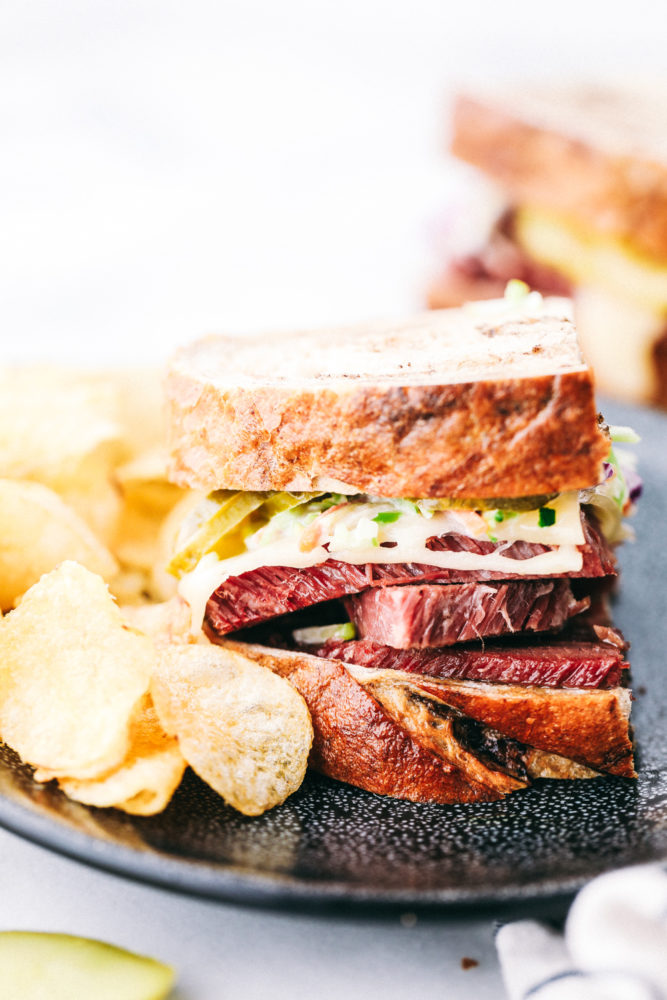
column 614, row 946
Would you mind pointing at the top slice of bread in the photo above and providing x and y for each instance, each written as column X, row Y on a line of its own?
column 595, row 154
column 472, row 402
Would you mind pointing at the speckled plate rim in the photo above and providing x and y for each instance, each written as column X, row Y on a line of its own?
column 234, row 884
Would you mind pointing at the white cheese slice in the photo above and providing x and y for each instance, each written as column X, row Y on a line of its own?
column 196, row 587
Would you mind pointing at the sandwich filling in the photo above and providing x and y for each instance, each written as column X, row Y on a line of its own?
column 246, row 558
column 619, row 293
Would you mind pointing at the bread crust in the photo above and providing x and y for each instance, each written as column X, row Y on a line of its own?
column 489, row 438
column 615, row 192
column 356, row 742
column 589, row 726
column 367, row 733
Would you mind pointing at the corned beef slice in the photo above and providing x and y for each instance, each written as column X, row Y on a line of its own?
column 437, row 614
column 270, row 591
column 554, row 664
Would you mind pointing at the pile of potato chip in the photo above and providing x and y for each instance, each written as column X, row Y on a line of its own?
column 102, row 686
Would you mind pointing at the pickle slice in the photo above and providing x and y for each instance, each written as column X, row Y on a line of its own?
column 497, row 503
column 59, row 966
column 220, row 514
column 224, row 520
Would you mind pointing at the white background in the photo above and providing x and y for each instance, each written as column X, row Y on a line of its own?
column 171, row 169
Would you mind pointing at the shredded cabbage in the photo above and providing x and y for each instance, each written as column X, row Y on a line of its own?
column 314, row 635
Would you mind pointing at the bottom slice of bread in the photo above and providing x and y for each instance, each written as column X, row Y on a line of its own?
column 430, row 740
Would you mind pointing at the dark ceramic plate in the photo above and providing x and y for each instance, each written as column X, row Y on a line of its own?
column 335, row 847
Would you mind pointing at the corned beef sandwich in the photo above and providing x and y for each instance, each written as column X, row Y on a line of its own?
column 570, row 196
column 415, row 524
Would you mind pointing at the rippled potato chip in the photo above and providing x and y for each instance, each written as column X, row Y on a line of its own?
column 72, row 676
column 147, row 778
column 38, row 531
column 246, row 732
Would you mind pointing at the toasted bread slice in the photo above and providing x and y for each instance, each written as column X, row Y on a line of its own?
column 357, row 742
column 586, row 725
column 480, row 401
column 405, row 736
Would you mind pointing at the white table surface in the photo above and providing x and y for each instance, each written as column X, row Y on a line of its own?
column 224, row 951
column 170, row 169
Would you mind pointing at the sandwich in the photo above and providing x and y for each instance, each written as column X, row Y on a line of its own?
column 415, row 523
column 570, row 196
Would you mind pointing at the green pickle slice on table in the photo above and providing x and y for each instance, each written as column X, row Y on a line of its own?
column 35, row 966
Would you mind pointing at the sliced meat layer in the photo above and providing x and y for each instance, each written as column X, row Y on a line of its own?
column 553, row 664
column 435, row 614
column 270, row 591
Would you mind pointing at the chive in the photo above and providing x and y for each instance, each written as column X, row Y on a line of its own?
column 492, row 538
column 387, row 516
column 546, row 517
column 499, row 516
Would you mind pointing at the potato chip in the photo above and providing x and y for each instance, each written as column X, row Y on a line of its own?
column 148, row 497
column 72, row 675
column 64, row 428
column 69, row 429
column 143, row 483
column 95, row 498
column 163, row 584
column 54, row 422
column 136, row 540
column 38, row 531
column 167, row 621
column 244, row 730
column 131, row 586
column 147, row 778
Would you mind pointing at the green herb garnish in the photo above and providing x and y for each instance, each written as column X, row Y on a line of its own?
column 387, row 516
column 546, row 517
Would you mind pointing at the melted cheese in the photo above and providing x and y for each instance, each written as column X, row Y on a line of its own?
column 590, row 258
column 196, row 587
column 350, row 532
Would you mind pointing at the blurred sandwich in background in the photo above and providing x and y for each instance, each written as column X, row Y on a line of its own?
column 572, row 199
